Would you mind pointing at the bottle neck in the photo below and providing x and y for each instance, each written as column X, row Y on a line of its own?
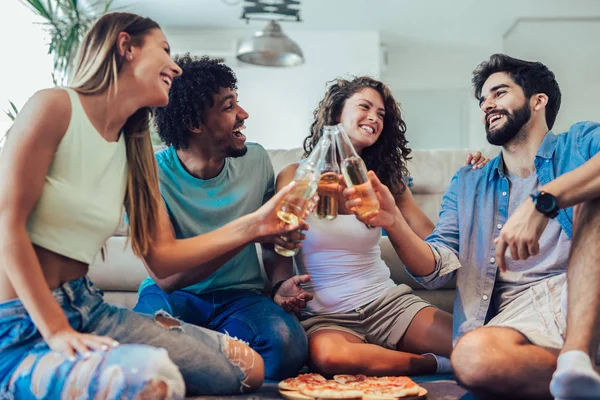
column 345, row 147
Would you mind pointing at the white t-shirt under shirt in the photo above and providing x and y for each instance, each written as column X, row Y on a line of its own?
column 343, row 258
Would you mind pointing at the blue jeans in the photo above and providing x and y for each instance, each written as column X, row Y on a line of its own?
column 184, row 358
column 245, row 314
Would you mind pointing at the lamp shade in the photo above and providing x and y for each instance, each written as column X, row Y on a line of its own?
column 270, row 47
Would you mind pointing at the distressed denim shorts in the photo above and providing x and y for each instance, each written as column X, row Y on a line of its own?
column 179, row 359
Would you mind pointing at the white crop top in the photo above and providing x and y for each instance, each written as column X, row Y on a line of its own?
column 82, row 200
column 343, row 258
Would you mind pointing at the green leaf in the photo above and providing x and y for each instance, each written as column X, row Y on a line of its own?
column 12, row 105
column 12, row 112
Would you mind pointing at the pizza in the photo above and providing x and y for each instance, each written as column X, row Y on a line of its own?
column 295, row 383
column 400, row 386
column 330, row 390
column 359, row 387
column 345, row 379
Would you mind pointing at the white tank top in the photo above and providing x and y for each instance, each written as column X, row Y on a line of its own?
column 343, row 258
column 82, row 200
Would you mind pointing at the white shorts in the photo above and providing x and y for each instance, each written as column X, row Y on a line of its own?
column 539, row 313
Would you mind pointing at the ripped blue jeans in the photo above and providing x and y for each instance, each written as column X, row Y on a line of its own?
column 152, row 358
column 275, row 334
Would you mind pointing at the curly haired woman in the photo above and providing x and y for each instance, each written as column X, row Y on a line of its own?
column 360, row 321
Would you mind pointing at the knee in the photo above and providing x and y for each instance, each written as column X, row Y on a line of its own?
column 288, row 349
column 153, row 375
column 327, row 357
column 248, row 361
column 163, row 378
column 135, row 371
column 256, row 375
column 151, row 300
column 471, row 360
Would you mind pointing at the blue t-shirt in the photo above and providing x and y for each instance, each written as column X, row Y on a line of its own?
column 198, row 206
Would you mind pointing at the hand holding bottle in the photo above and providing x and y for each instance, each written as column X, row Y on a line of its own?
column 355, row 175
column 267, row 222
column 295, row 204
column 385, row 216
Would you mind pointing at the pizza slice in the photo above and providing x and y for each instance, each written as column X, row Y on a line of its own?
column 331, row 390
column 295, row 383
column 346, row 379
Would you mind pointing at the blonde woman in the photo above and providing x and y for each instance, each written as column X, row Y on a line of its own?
column 73, row 158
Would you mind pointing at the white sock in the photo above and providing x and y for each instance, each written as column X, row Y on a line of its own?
column 443, row 364
column 575, row 377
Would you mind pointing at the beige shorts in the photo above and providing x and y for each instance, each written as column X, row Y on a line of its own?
column 539, row 313
column 382, row 321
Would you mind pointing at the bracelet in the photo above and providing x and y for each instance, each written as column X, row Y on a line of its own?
column 276, row 288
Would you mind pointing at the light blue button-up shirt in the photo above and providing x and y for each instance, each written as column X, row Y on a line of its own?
column 474, row 209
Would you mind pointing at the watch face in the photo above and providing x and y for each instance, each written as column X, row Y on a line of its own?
column 546, row 203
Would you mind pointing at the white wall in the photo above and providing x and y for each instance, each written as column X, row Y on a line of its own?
column 26, row 67
column 280, row 101
column 571, row 50
column 433, row 84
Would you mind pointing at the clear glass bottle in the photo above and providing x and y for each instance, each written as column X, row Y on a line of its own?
column 327, row 208
column 295, row 203
column 355, row 173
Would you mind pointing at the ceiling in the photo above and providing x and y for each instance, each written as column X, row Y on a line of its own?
column 456, row 21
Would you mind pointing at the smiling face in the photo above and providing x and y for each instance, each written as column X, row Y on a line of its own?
column 362, row 118
column 224, row 122
column 505, row 108
column 152, row 67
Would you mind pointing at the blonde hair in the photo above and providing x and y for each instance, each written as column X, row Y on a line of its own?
column 97, row 66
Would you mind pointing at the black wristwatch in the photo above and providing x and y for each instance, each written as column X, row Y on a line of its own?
column 545, row 203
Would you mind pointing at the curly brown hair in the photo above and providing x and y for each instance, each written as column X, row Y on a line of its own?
column 389, row 155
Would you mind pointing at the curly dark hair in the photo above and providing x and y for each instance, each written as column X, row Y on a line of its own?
column 532, row 77
column 389, row 155
column 191, row 94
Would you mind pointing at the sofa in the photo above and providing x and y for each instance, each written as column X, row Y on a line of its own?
column 120, row 272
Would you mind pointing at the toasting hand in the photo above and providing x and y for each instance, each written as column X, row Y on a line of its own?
column 385, row 216
column 266, row 223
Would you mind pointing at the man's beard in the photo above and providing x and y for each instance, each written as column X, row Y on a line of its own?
column 511, row 128
column 235, row 153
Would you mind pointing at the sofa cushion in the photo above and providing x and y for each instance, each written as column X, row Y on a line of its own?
column 280, row 158
column 432, row 170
